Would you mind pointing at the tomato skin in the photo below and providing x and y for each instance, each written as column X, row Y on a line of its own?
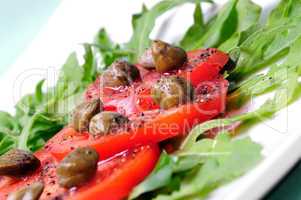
column 123, row 179
column 209, row 55
column 201, row 72
column 203, row 65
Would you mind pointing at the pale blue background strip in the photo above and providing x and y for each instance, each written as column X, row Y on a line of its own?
column 20, row 21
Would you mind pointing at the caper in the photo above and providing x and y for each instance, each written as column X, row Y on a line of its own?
column 31, row 192
column 171, row 91
column 163, row 56
column 18, row 162
column 83, row 113
column 107, row 122
column 77, row 167
column 120, row 73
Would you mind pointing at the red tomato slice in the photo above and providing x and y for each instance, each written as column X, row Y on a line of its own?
column 46, row 174
column 209, row 55
column 203, row 65
column 209, row 103
column 9, row 184
column 114, row 179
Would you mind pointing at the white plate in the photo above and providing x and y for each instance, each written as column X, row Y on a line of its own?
column 77, row 21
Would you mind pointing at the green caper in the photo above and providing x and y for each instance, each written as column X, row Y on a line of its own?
column 31, row 192
column 77, row 167
column 106, row 122
column 120, row 73
column 171, row 91
column 18, row 162
column 83, row 113
column 163, row 56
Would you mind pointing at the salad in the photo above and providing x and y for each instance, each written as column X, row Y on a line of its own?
column 153, row 120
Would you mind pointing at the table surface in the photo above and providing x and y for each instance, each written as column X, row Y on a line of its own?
column 20, row 24
column 289, row 188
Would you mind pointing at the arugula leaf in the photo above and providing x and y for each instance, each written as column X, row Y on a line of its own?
column 248, row 14
column 252, row 51
column 219, row 167
column 137, row 16
column 42, row 114
column 7, row 142
column 102, row 38
column 27, row 106
column 144, row 25
column 108, row 50
column 270, row 44
column 223, row 27
column 40, row 128
column 286, row 9
column 159, row 177
column 202, row 128
column 9, row 122
column 216, row 164
column 38, row 112
column 89, row 66
column 9, row 130
column 238, row 38
column 294, row 54
column 195, row 31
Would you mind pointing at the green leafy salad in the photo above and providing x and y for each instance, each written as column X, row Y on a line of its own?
column 266, row 50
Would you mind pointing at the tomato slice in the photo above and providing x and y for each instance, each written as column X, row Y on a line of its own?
column 209, row 55
column 203, row 65
column 114, row 179
column 178, row 121
column 46, row 174
column 9, row 184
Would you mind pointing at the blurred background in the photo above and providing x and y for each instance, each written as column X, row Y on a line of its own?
column 36, row 36
column 20, row 22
